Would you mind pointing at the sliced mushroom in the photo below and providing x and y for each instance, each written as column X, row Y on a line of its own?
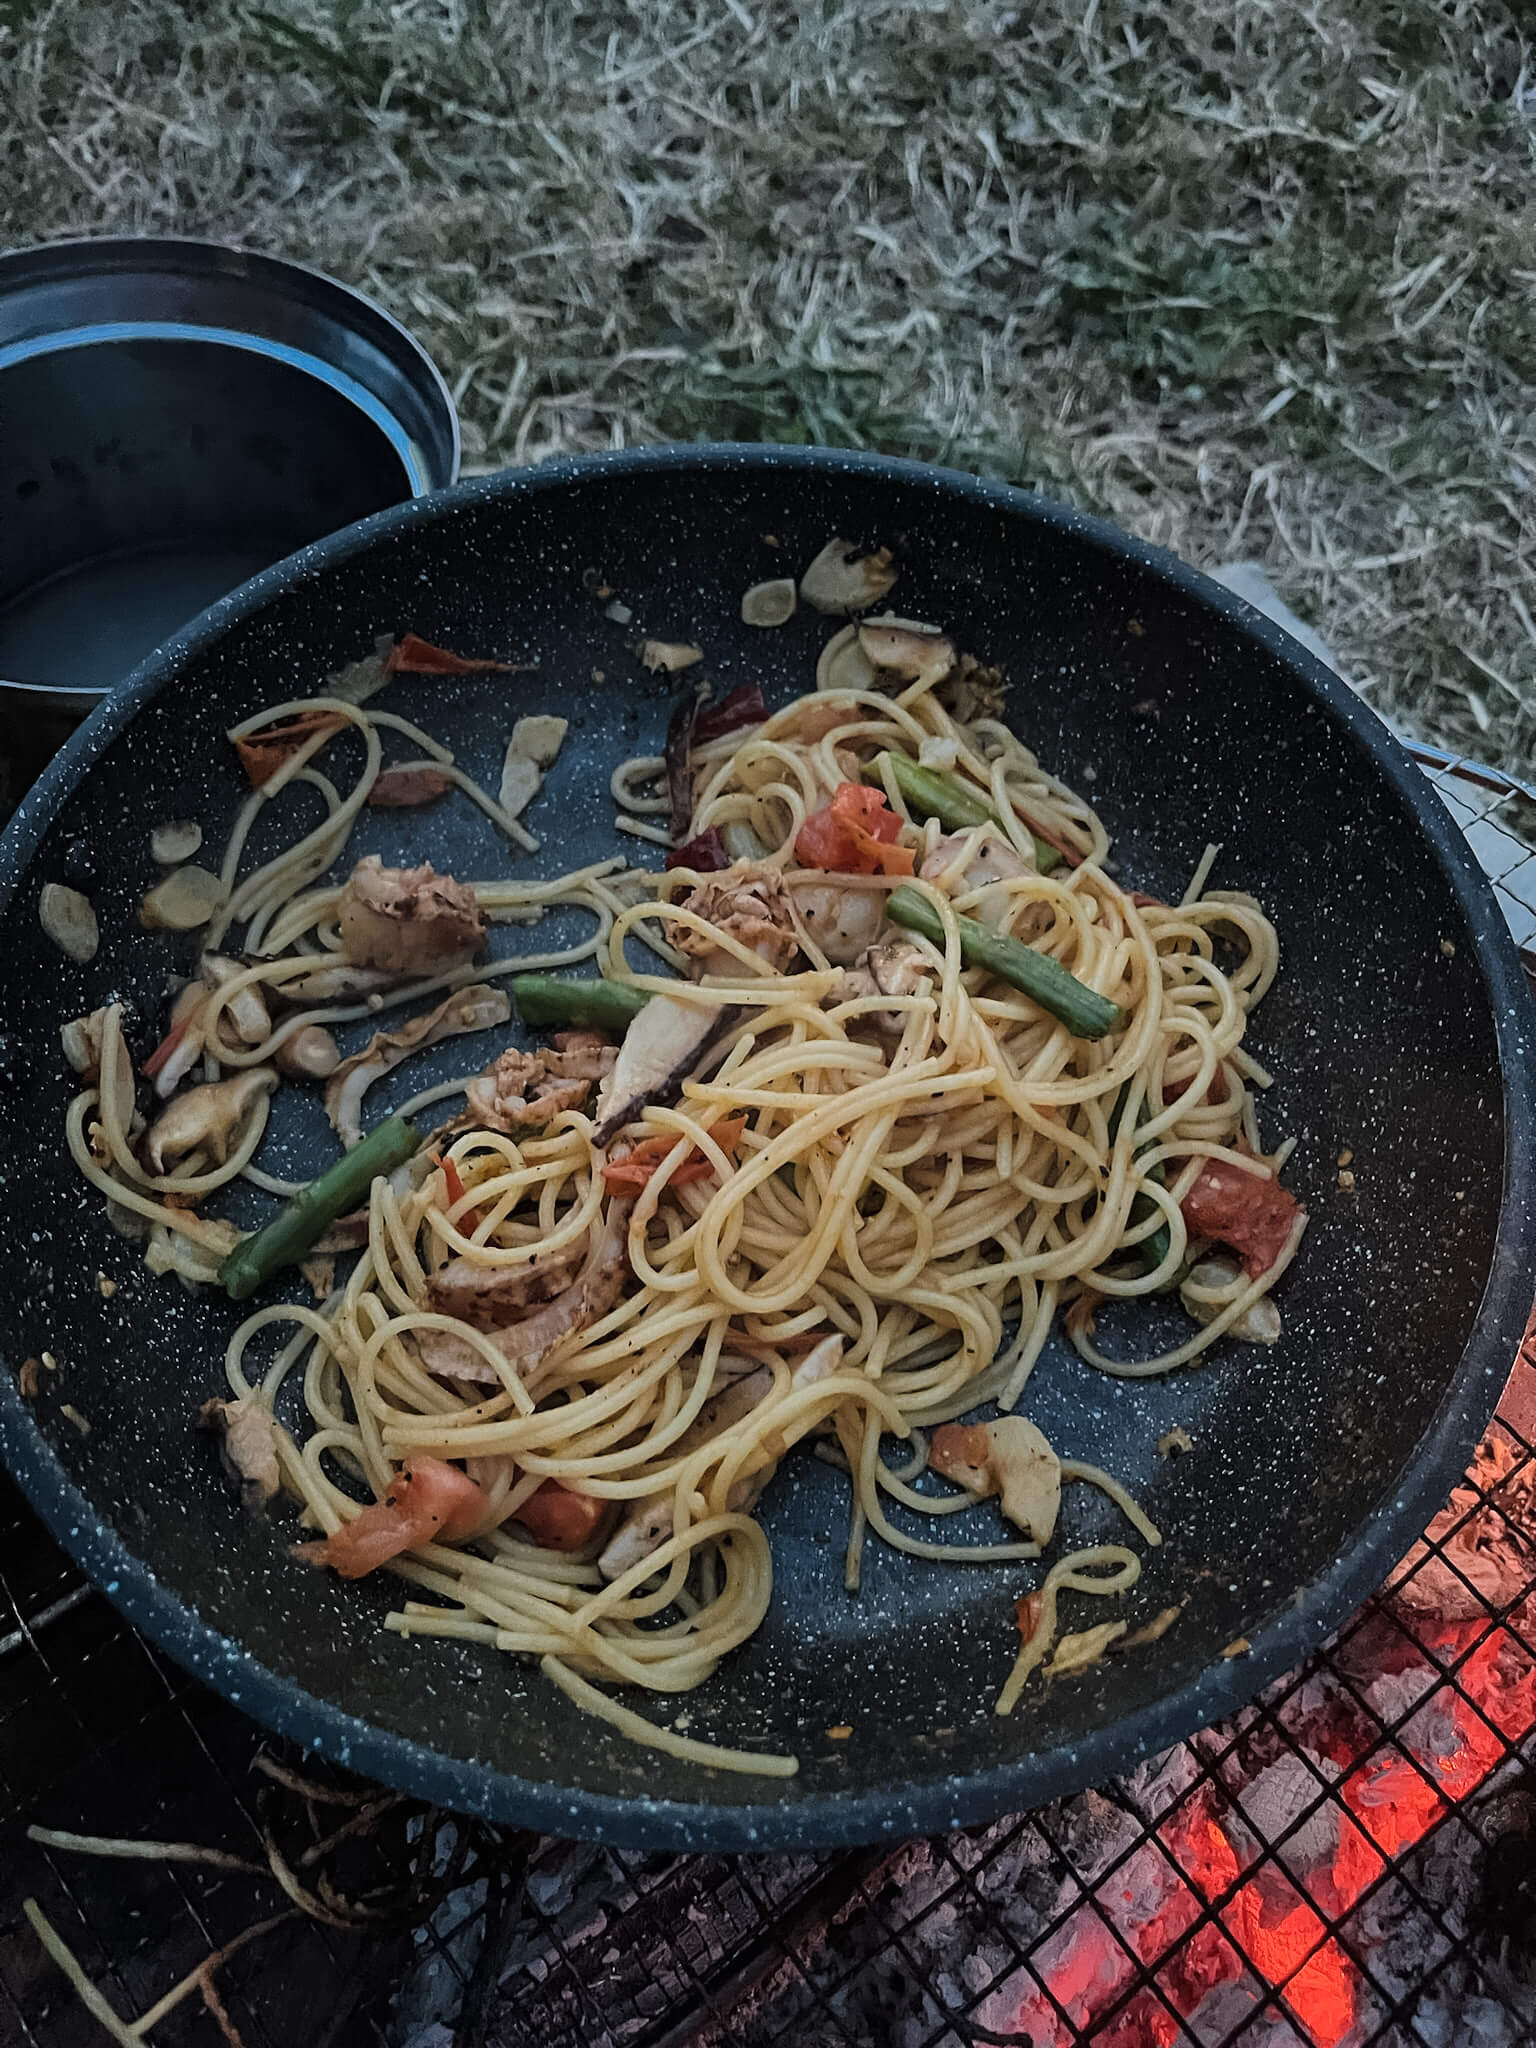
column 841, row 579
column 1211, row 1285
column 248, row 1447
column 247, row 1010
column 894, row 969
column 521, row 1091
column 648, row 1523
column 348, row 1233
column 187, row 898
column 475, row 1008
column 527, row 1345
column 918, row 654
column 207, row 1119
column 769, row 604
column 865, row 656
column 490, row 1297
column 751, row 905
column 175, row 841
column 668, row 1041
column 309, row 1055
column 531, row 750
column 408, row 920
column 319, row 1273
column 342, row 983
column 81, row 1040
column 669, row 657
column 1009, row 1457
column 974, row 691
column 68, row 919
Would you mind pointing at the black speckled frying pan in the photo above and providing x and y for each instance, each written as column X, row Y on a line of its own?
column 1400, row 1029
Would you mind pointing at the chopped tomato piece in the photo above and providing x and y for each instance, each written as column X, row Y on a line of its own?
column 419, row 657
column 427, row 1501
column 1028, row 1611
column 957, row 1444
column 559, row 1518
column 634, row 1170
column 1215, row 1094
column 263, row 753
column 1143, row 901
column 404, row 788
column 855, row 835
column 164, row 1049
column 453, row 1187
column 1252, row 1214
column 814, row 721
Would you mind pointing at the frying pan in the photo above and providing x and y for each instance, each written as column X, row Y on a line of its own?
column 1399, row 1029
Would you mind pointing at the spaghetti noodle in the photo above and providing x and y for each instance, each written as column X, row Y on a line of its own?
column 856, row 1215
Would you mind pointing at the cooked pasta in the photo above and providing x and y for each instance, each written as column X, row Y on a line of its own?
column 840, row 1184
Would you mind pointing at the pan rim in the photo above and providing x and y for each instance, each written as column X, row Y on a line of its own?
column 831, row 1820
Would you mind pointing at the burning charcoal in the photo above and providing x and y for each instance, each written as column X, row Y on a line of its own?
column 1393, row 1695
column 1276, row 1799
column 1490, row 1557
column 1158, row 1783
column 1219, row 2015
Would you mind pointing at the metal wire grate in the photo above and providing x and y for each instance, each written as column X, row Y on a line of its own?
column 1347, row 1861
column 1498, row 814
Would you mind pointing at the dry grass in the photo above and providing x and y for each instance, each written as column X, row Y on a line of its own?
column 1254, row 281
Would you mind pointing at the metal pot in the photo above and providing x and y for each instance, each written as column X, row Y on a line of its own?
column 175, row 416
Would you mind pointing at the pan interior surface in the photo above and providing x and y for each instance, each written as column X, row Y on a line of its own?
column 1182, row 727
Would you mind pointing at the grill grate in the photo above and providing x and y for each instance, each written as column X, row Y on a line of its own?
column 1190, row 1902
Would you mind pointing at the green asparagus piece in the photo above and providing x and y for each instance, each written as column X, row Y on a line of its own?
column 571, row 1003
column 301, row 1222
column 956, row 806
column 1045, row 981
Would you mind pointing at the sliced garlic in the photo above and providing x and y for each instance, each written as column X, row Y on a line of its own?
column 1211, row 1287
column 769, row 604
column 175, row 841
column 843, row 580
column 187, row 898
column 843, row 664
column 669, row 656
column 68, row 919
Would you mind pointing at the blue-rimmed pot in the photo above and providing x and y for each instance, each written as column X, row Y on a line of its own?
column 175, row 416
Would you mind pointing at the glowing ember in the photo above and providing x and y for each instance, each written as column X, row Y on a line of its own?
column 1322, row 1783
